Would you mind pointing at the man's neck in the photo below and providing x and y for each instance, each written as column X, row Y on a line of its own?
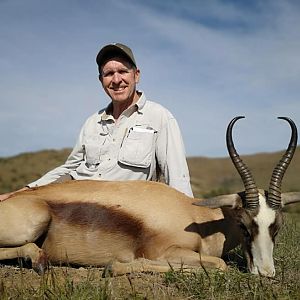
column 120, row 107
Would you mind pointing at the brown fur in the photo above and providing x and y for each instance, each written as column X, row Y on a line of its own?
column 73, row 222
column 274, row 228
column 97, row 216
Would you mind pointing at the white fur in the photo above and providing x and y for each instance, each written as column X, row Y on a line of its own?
column 262, row 247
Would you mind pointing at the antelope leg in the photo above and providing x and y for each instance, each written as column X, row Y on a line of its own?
column 28, row 251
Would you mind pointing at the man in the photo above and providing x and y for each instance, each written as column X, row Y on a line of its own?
column 131, row 139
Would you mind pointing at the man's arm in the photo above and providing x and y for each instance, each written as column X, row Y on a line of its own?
column 171, row 157
column 72, row 162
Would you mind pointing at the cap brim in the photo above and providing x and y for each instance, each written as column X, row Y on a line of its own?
column 103, row 54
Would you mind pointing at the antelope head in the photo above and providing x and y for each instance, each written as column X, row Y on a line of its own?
column 258, row 212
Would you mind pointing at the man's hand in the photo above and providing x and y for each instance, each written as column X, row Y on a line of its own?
column 7, row 195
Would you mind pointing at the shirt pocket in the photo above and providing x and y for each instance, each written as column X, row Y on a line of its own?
column 92, row 148
column 137, row 147
column 92, row 155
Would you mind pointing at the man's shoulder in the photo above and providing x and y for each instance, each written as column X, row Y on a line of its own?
column 155, row 108
column 95, row 117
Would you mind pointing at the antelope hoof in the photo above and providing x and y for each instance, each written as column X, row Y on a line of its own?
column 108, row 271
column 223, row 266
column 41, row 264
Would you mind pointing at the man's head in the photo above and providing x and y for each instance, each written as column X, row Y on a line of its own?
column 118, row 73
column 114, row 50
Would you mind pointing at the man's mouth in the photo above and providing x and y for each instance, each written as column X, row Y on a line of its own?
column 119, row 89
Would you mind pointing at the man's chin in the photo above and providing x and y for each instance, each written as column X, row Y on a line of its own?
column 120, row 98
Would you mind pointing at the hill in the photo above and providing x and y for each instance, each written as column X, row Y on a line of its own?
column 212, row 176
column 209, row 176
column 17, row 171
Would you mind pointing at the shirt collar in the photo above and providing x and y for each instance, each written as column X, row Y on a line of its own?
column 106, row 114
column 141, row 102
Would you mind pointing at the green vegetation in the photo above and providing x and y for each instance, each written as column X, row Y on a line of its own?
column 209, row 177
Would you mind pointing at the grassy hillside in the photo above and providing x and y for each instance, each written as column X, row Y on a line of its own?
column 17, row 171
column 209, row 176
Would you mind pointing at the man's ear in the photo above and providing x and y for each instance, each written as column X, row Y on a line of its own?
column 232, row 200
column 137, row 75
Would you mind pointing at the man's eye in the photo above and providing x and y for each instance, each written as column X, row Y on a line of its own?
column 124, row 71
column 107, row 74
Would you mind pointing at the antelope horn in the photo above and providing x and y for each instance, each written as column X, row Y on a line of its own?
column 274, row 194
column 251, row 191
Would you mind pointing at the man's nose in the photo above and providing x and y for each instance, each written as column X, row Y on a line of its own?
column 116, row 77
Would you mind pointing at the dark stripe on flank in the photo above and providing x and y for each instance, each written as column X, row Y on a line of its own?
column 95, row 216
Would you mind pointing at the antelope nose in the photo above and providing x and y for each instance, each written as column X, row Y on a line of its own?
column 267, row 272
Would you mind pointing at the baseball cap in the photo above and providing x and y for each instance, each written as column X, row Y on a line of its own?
column 114, row 49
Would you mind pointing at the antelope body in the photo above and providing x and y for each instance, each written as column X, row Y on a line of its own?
column 95, row 223
column 145, row 226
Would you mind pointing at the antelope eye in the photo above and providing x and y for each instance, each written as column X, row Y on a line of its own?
column 245, row 230
column 273, row 230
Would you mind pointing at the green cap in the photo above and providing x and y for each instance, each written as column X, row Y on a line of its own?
column 114, row 49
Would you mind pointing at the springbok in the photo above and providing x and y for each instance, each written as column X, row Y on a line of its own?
column 146, row 226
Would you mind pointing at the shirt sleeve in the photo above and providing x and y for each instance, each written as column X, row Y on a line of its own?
column 72, row 162
column 171, row 157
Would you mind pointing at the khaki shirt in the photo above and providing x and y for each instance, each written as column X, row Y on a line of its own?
column 145, row 137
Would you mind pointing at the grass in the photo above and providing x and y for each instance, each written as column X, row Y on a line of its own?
column 71, row 283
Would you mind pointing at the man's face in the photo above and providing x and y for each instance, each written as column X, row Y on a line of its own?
column 119, row 79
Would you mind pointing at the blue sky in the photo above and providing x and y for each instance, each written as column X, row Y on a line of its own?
column 206, row 61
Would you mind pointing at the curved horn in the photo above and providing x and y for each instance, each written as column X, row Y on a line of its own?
column 251, row 191
column 274, row 195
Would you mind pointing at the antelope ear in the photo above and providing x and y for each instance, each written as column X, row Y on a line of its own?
column 232, row 201
column 289, row 198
